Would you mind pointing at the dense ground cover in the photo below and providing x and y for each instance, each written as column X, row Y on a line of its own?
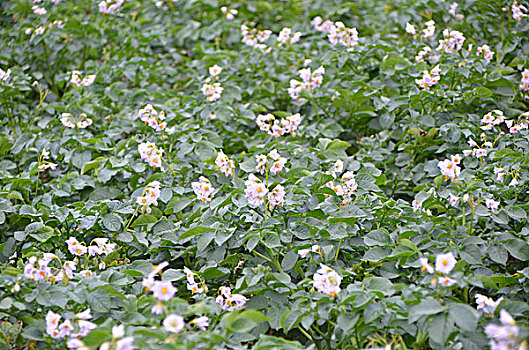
column 264, row 174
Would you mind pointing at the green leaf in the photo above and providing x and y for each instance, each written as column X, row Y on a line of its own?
column 144, row 219
column 440, row 328
column 112, row 222
column 425, row 308
column 197, row 230
column 377, row 238
column 465, row 316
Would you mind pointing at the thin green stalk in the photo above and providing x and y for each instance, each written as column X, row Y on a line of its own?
column 132, row 217
column 169, row 166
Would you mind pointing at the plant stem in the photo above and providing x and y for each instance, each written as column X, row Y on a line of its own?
column 132, row 217
column 169, row 166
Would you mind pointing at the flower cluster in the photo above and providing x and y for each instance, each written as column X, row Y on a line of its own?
column 76, row 79
column 212, row 91
column 320, row 25
column 518, row 11
column 504, row 336
column 255, row 38
column 109, row 7
column 492, row 204
column 215, row 70
column 39, row 11
column 276, row 197
column 173, row 323
column 230, row 13
column 486, row 52
column 429, row 31
column 410, row 29
column 309, row 82
column 162, row 290
column 286, row 37
column 203, row 189
column 151, row 153
column 155, row 120
column 524, row 83
column 195, row 288
column 40, row 30
column 80, row 329
column 327, row 281
column 444, row 264
column 429, row 78
column 255, row 190
column 477, row 150
column 277, row 165
column 452, row 40
column 149, row 197
column 453, row 9
column 347, row 186
column 229, row 301
column 339, row 33
column 71, row 121
column 119, row 341
column 43, row 163
column 5, row 75
column 41, row 269
column 224, row 164
column 450, row 167
column 487, row 304
column 304, row 252
column 275, row 127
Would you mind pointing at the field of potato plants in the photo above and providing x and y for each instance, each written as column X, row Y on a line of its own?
column 281, row 174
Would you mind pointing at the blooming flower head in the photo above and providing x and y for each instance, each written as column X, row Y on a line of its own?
column 425, row 266
column 75, row 247
column 255, row 190
column 230, row 13
column 156, row 120
column 224, row 164
column 429, row 78
column 327, row 281
column 518, row 11
column 163, row 290
column 449, row 169
column 524, row 83
column 255, row 38
column 339, row 33
column 309, row 82
column 504, row 336
column 215, row 70
column 5, row 75
column 487, row 53
column 446, row 281
column 149, row 197
column 110, row 7
column 492, row 204
column 173, row 323
column 203, row 189
column 152, row 154
column 444, row 263
column 201, row 322
column 212, row 91
column 276, row 197
column 429, row 31
column 229, row 301
column 410, row 29
column 488, row 305
column 71, row 121
column 286, row 37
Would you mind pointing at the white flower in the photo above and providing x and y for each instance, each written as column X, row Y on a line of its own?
column 118, row 331
column 173, row 323
column 327, row 281
column 163, row 290
column 410, row 29
column 152, row 154
column 276, row 197
column 446, row 282
column 212, row 92
column 150, row 196
column 203, row 189
column 487, row 304
column 224, row 164
column 425, row 266
column 126, row 343
column 445, row 263
column 215, row 70
column 492, row 204
column 255, row 190
column 201, row 322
